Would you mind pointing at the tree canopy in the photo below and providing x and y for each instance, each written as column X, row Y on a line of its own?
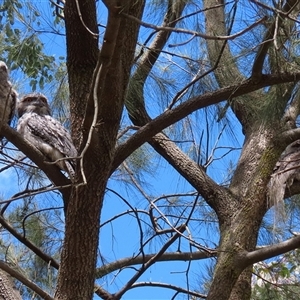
column 185, row 118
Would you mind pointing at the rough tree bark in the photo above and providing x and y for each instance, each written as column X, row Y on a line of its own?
column 7, row 288
column 240, row 226
column 105, row 97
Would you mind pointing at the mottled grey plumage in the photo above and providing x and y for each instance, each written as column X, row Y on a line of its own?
column 287, row 170
column 44, row 132
column 8, row 96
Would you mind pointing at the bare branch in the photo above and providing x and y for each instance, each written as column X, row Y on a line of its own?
column 82, row 21
column 274, row 9
column 271, row 251
column 150, row 262
column 124, row 131
column 24, row 280
column 30, row 193
column 97, row 74
column 13, row 162
column 168, row 286
column 172, row 116
column 269, row 38
column 196, row 33
column 188, row 168
column 289, row 136
column 135, row 103
column 292, row 112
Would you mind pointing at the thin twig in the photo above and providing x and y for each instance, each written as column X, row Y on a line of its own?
column 120, row 134
column 210, row 157
column 196, row 33
column 150, row 262
column 168, row 286
column 93, row 125
column 83, row 23
column 36, row 212
column 35, row 192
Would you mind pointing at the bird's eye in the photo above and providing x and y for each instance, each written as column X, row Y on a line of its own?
column 44, row 100
column 28, row 99
column 3, row 68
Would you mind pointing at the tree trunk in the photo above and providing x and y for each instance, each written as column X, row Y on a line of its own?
column 7, row 288
column 239, row 228
column 82, row 55
column 100, row 110
column 242, row 288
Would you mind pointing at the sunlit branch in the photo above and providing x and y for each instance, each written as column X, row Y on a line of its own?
column 196, row 33
column 154, row 223
column 175, row 229
column 58, row 8
column 82, row 21
column 229, row 149
column 210, row 157
column 168, row 256
column 170, row 117
column 153, row 219
column 267, row 252
column 292, row 112
column 168, row 286
column 135, row 182
column 97, row 74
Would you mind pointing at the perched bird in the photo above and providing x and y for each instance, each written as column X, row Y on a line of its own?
column 8, row 97
column 286, row 171
column 44, row 132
